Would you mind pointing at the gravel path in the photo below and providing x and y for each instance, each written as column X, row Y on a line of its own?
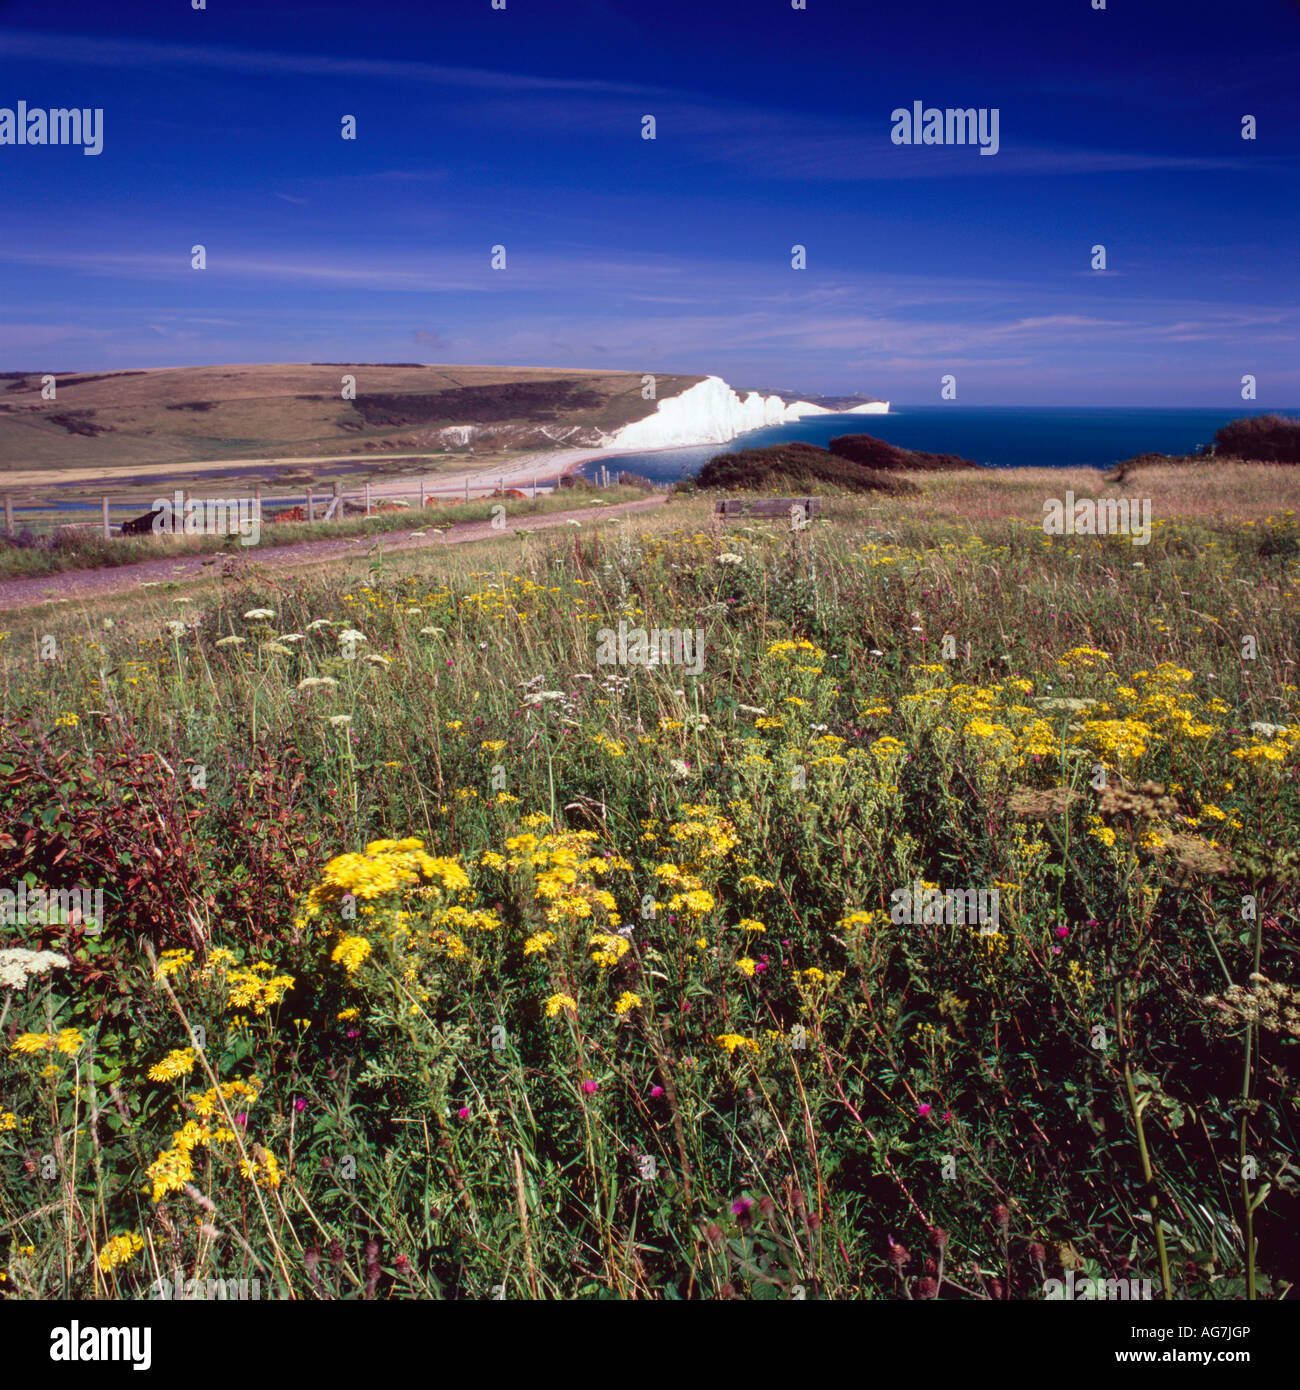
column 83, row 584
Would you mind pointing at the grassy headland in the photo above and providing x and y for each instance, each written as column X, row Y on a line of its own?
column 516, row 970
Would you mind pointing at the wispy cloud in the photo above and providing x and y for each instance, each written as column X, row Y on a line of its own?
column 768, row 142
column 90, row 51
column 20, row 338
column 711, row 303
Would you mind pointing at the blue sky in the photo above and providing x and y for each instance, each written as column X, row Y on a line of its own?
column 523, row 127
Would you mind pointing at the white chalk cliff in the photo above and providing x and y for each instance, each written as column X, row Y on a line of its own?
column 712, row 413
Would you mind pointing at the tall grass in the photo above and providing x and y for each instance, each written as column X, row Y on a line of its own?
column 637, row 1017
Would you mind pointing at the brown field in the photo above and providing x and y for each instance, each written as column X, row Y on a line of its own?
column 1196, row 492
column 110, row 425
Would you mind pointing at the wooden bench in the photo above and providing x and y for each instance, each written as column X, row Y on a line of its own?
column 767, row 506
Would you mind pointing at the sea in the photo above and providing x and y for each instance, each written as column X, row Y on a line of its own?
column 999, row 436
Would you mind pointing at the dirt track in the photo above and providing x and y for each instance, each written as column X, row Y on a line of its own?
column 84, row 584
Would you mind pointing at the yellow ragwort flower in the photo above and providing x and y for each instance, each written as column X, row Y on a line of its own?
column 120, row 1250
column 179, row 1062
column 561, row 1001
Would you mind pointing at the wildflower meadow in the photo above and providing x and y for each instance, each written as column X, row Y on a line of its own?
column 934, row 940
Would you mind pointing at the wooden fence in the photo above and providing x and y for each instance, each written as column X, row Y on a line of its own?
column 330, row 504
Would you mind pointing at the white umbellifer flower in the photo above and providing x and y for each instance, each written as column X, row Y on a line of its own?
column 752, row 709
column 17, row 966
column 1267, row 730
column 277, row 648
column 875, row 651
column 413, row 612
column 729, row 557
column 311, row 682
column 918, row 629
column 259, row 614
column 182, row 600
column 319, row 622
column 569, row 521
column 680, row 768
column 108, row 624
column 350, row 634
column 431, row 632
column 230, row 641
column 376, row 660
column 292, row 637
column 339, row 720
column 176, row 629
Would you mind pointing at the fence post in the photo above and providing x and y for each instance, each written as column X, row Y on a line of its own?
column 367, row 499
column 108, row 530
column 311, row 506
column 466, row 487
column 534, row 487
column 422, row 496
column 9, row 515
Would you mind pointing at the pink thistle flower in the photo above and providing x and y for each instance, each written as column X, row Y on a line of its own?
column 923, row 1109
column 463, row 1113
column 591, row 1087
column 656, row 1092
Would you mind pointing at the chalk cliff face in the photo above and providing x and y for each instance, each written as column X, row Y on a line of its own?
column 708, row 413
column 800, row 409
column 712, row 413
